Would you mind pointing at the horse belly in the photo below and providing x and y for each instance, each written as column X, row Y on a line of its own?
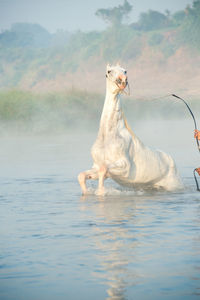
column 153, row 166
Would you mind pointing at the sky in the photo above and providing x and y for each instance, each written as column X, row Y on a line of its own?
column 72, row 15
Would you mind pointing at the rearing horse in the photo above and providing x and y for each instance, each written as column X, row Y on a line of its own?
column 117, row 152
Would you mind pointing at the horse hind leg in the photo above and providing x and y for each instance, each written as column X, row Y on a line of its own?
column 83, row 176
column 102, row 173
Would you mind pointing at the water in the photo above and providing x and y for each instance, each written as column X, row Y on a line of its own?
column 56, row 244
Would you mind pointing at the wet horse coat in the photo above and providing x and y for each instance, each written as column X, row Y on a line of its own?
column 118, row 153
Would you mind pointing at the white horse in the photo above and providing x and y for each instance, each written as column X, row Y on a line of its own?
column 117, row 152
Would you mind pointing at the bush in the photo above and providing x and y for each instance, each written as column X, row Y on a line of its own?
column 155, row 39
column 189, row 31
column 48, row 112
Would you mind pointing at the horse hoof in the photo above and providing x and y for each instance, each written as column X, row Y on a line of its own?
column 100, row 192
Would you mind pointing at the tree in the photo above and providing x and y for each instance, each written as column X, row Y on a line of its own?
column 194, row 11
column 178, row 17
column 152, row 20
column 25, row 35
column 190, row 28
column 115, row 15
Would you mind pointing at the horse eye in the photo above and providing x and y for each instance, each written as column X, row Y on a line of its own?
column 125, row 72
column 109, row 71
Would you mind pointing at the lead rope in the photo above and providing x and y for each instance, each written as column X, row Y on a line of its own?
column 121, row 91
column 197, row 170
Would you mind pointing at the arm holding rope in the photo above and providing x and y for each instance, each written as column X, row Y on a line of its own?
column 197, row 134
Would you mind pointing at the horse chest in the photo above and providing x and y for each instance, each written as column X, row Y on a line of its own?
column 111, row 147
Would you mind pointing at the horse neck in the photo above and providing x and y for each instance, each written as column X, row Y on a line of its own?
column 111, row 113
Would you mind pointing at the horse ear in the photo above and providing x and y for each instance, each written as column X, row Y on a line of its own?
column 108, row 67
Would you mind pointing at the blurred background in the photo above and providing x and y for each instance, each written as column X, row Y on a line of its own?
column 53, row 57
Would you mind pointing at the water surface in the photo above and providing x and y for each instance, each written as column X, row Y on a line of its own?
column 56, row 244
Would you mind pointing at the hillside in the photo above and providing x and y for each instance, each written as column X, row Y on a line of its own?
column 161, row 53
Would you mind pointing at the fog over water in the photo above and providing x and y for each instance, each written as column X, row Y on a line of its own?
column 127, row 244
column 56, row 243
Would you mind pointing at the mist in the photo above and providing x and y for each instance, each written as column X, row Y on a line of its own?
column 64, row 15
column 53, row 83
column 126, row 244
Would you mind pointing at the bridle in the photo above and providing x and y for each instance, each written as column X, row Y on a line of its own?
column 118, row 82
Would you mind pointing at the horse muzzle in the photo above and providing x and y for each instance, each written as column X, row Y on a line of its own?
column 122, row 82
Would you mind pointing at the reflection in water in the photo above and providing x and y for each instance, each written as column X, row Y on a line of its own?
column 122, row 246
column 144, row 241
column 116, row 243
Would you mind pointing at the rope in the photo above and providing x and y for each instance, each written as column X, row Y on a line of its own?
column 195, row 178
column 196, row 170
column 121, row 91
column 195, row 123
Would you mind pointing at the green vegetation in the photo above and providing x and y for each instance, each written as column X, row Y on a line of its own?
column 114, row 16
column 52, row 112
column 189, row 31
column 152, row 20
column 29, row 52
column 25, row 35
column 31, row 113
column 31, row 56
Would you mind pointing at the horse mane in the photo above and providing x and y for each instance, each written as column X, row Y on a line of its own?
column 127, row 126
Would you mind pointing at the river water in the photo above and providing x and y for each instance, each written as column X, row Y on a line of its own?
column 56, row 244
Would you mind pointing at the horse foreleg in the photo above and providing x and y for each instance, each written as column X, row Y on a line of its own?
column 83, row 176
